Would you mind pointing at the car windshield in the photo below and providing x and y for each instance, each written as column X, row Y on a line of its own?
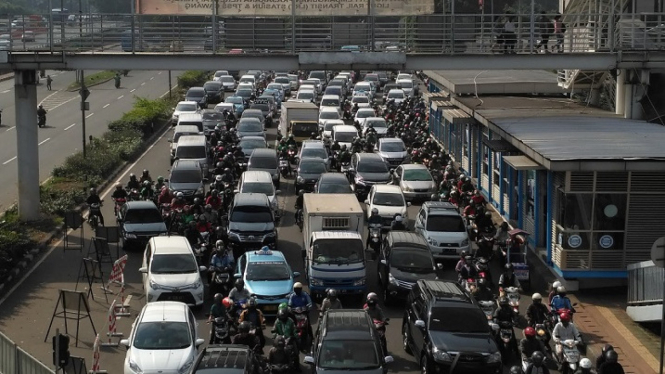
column 345, row 137
column 264, row 188
column 143, row 216
column 221, row 73
column 227, row 79
column 458, row 320
column 337, row 251
column 173, row 264
column 162, row 335
column 273, row 86
column 185, row 176
column 185, row 107
column 336, row 83
column 376, row 124
column 314, row 152
column 405, row 84
column 365, row 114
column 340, row 187
column 212, row 86
column 451, row 223
column 396, row 95
column 251, row 214
column 261, row 107
column 267, row 271
column 251, row 144
column 410, row 258
column 282, row 80
column 317, row 74
column 196, row 94
column 263, row 163
column 372, row 167
column 213, row 116
column 234, row 100
column 371, row 78
column 329, row 125
column 349, row 355
column 388, row 199
column 312, row 167
column 244, row 93
column 362, row 87
column 330, row 102
column 360, row 99
column 194, row 152
column 305, row 95
column 250, row 126
column 335, row 90
column 417, row 175
column 329, row 114
column 392, row 147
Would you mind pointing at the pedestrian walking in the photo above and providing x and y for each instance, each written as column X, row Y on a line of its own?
column 546, row 27
column 509, row 37
column 497, row 34
column 559, row 31
column 49, row 80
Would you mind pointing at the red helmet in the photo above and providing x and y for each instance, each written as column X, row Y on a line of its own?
column 227, row 302
column 565, row 316
column 529, row 332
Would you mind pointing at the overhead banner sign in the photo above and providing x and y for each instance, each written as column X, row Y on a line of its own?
column 282, row 8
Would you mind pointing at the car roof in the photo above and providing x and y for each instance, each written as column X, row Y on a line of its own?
column 406, row 238
column 329, row 108
column 168, row 311
column 345, row 128
column 333, row 177
column 248, row 198
column 312, row 160
column 186, row 164
column 396, row 90
column 248, row 120
column 261, row 256
column 336, row 235
column 256, row 176
column 224, row 357
column 414, row 167
column 365, row 110
column 187, row 102
column 391, row 140
column 187, row 129
column 373, row 157
column 253, row 137
column 347, row 324
column 264, row 152
column 310, row 143
column 387, row 188
column 194, row 140
column 252, row 110
column 140, row 205
column 173, row 244
column 375, row 119
column 444, row 291
column 185, row 117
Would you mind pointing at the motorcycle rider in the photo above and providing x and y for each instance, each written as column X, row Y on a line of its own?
column 93, row 198
column 178, row 202
column 218, row 309
column 508, row 279
column 564, row 330
column 335, row 146
column 601, row 358
column 279, row 358
column 611, row 364
column 210, row 215
column 160, row 183
column 221, row 260
column 285, row 327
column 537, row 312
column 147, row 193
column 461, row 262
column 484, row 223
column 505, row 315
column 313, row 136
column 119, row 193
column 300, row 299
column 468, row 271
column 330, row 302
column 435, row 163
column 145, row 176
column 530, row 344
column 561, row 301
column 291, row 141
column 41, row 114
column 553, row 292
column 227, row 177
column 214, row 200
column 398, row 224
column 299, row 204
column 482, row 292
column 254, row 316
column 537, row 364
column 133, row 183
column 239, row 293
column 193, row 235
column 244, row 337
column 374, row 219
column 345, row 155
column 373, row 309
column 585, row 366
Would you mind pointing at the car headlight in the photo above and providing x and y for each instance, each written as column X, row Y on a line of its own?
column 432, row 241
column 175, row 116
column 271, row 234
column 494, row 358
column 129, row 235
column 194, row 285
column 391, row 279
column 154, row 285
column 300, row 179
column 133, row 366
column 199, row 191
column 407, row 189
column 465, row 242
column 315, row 282
column 188, row 365
column 441, row 356
column 359, row 282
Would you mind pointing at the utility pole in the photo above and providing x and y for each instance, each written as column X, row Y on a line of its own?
column 84, row 92
column 170, row 98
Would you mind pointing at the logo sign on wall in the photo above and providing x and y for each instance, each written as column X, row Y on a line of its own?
column 606, row 241
column 574, row 241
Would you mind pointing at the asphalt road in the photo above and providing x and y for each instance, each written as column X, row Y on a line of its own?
column 62, row 135
column 25, row 313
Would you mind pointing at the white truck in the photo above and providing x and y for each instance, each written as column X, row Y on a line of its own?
column 299, row 119
column 333, row 250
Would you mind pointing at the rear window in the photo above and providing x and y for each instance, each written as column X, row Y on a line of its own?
column 458, row 320
column 191, row 152
column 445, row 223
column 372, row 167
column 263, row 163
column 330, row 102
column 334, row 91
column 250, row 126
column 185, row 176
column 253, row 214
column 212, row 86
column 143, row 216
column 318, row 74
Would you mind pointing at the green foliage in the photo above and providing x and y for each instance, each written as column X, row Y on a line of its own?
column 193, row 78
column 14, row 244
column 94, row 79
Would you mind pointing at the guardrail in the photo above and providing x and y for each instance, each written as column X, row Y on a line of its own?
column 645, row 284
column 15, row 360
column 439, row 33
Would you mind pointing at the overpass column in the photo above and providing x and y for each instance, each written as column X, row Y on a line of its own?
column 620, row 97
column 25, row 97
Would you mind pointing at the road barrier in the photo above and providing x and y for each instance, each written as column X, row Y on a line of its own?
column 96, row 351
column 112, row 331
column 15, row 360
column 118, row 277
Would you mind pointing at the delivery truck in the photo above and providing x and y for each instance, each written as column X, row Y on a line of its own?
column 299, row 119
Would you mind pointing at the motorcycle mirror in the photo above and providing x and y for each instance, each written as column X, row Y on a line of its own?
column 420, row 323
column 388, row 359
column 384, row 262
column 296, row 274
column 309, row 360
column 277, row 192
column 199, row 342
column 206, row 180
column 439, row 266
column 203, row 269
column 408, row 204
column 236, row 191
column 143, row 270
column 367, row 202
column 170, row 141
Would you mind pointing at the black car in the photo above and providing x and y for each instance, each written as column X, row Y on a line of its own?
column 444, row 326
column 308, row 173
column 404, row 258
column 346, row 341
column 214, row 92
column 139, row 221
column 227, row 359
column 333, row 183
column 198, row 95
column 210, row 120
column 387, row 87
column 367, row 169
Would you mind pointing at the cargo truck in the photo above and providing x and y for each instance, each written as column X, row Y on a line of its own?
column 299, row 119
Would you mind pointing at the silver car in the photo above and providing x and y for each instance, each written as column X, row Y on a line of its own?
column 392, row 151
column 415, row 181
column 250, row 127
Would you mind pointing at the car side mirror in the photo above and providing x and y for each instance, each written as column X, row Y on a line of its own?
column 237, row 275
column 170, row 140
column 277, row 192
column 420, row 324
column 384, row 262
column 418, row 226
column 296, row 274
column 143, row 270
column 206, row 180
column 388, row 359
column 367, row 202
column 236, row 191
column 439, row 266
column 408, row 203
column 309, row 360
column 125, row 342
column 203, row 269
column 199, row 342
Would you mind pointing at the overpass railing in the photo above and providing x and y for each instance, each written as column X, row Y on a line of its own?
column 439, row 33
column 645, row 284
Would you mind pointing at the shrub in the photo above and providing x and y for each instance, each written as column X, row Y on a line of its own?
column 193, row 78
column 14, row 244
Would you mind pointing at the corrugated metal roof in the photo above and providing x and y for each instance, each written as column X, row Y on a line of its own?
column 442, row 104
column 522, row 163
column 587, row 138
column 432, row 96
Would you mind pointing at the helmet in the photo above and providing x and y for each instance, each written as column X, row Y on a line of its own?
column 227, row 170
column 146, row 183
column 398, row 218
column 218, row 297
column 371, row 302
column 219, row 164
column 482, row 282
column 132, row 176
column 585, row 363
column 561, row 289
column 375, row 211
column 297, row 285
column 301, row 192
column 468, row 258
column 240, row 283
column 251, row 303
column 145, row 172
column 160, row 179
column 93, row 191
column 180, row 195
column 509, row 267
column 372, row 296
column 488, row 214
column 536, row 296
column 607, row 347
column 503, row 302
column 280, row 342
column 118, row 186
column 537, row 357
column 529, row 332
column 332, row 293
column 218, row 178
column 565, row 317
column 611, row 356
column 463, row 254
column 202, row 218
column 283, row 306
column 227, row 302
column 282, row 314
column 516, row 370
column 243, row 327
column 556, row 285
column 219, row 243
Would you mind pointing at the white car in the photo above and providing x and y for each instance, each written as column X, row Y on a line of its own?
column 401, row 76
column 389, row 201
column 362, row 114
column 228, row 83
column 305, row 96
column 184, row 107
column 163, row 340
column 255, row 181
column 221, row 107
column 220, row 73
column 170, row 271
column 327, row 128
column 378, row 124
column 365, row 88
column 396, row 94
column 407, row 86
column 328, row 113
column 362, row 100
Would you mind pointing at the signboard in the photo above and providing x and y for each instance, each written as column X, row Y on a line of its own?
column 606, row 241
column 574, row 241
column 282, row 8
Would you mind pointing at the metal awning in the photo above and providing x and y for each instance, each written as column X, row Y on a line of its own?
column 457, row 116
column 498, row 145
column 522, row 163
column 442, row 104
column 431, row 97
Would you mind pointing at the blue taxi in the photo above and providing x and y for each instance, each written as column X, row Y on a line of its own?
column 268, row 277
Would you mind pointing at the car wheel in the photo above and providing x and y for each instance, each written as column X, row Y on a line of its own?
column 424, row 365
column 405, row 339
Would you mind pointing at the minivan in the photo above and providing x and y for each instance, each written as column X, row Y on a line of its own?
column 194, row 119
column 251, row 223
column 193, row 147
column 259, row 182
column 265, row 159
column 344, row 134
column 187, row 177
column 179, row 131
column 197, row 94
column 331, row 101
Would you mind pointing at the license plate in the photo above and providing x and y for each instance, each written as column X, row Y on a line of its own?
column 270, row 307
column 176, row 298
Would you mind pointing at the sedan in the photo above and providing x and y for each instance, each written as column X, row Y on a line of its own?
column 250, row 143
column 249, row 127
column 198, row 95
column 183, row 107
column 333, row 183
column 227, row 82
column 308, row 173
column 164, row 338
column 286, row 84
column 139, row 221
column 211, row 117
column 415, row 181
column 362, row 114
column 362, row 101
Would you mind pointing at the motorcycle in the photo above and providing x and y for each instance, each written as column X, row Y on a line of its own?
column 380, row 327
column 134, row 195
column 284, row 167
column 513, row 296
column 571, row 356
column 292, row 152
column 302, row 327
column 483, row 268
column 292, row 351
column 375, row 237
column 506, row 339
column 487, row 306
column 485, row 243
column 543, row 334
column 221, row 331
column 222, row 282
column 93, row 215
column 119, row 203
column 41, row 121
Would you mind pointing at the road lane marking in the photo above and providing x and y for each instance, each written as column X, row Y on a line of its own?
column 132, row 90
column 159, row 72
column 5, row 91
column 106, row 106
column 151, row 78
column 11, row 128
column 44, row 141
column 10, row 160
column 120, row 97
column 143, row 84
column 70, row 126
column 89, row 115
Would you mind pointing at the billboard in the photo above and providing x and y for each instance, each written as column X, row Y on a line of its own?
column 282, row 8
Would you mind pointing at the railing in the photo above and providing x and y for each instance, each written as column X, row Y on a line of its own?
column 439, row 33
column 645, row 284
column 14, row 360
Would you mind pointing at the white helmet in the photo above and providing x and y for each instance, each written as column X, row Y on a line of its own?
column 585, row 363
column 556, row 285
column 536, row 296
column 398, row 218
column 561, row 289
column 372, row 295
column 297, row 285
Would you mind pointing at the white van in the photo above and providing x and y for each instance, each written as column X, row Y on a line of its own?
column 248, row 78
column 193, row 147
column 327, row 128
column 331, row 101
column 327, row 114
column 193, row 119
column 344, row 134
column 179, row 131
column 255, row 181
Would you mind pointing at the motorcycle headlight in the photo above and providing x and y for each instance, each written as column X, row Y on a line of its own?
column 185, row 368
column 135, row 367
column 359, row 282
column 513, row 303
column 315, row 282
column 441, row 356
column 154, row 285
column 494, row 358
column 300, row 179
column 391, row 279
column 432, row 241
column 129, row 235
column 465, row 242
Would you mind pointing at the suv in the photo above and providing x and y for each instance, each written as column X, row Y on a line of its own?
column 187, row 177
column 251, row 223
column 444, row 229
column 404, row 258
column 446, row 331
column 347, row 341
column 227, row 358
column 139, row 221
column 367, row 169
